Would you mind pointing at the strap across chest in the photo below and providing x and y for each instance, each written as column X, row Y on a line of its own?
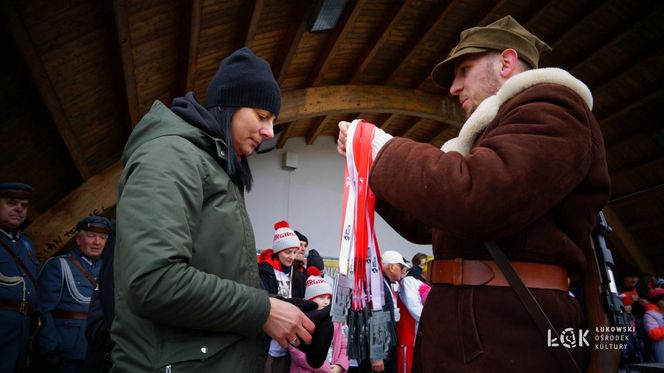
column 83, row 271
column 18, row 261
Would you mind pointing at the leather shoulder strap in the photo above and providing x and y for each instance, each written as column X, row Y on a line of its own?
column 18, row 261
column 83, row 271
column 531, row 305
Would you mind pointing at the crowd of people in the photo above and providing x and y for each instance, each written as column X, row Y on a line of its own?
column 54, row 318
column 509, row 203
column 643, row 299
column 44, row 311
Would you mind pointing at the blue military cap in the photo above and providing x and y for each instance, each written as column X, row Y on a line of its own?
column 15, row 190
column 95, row 223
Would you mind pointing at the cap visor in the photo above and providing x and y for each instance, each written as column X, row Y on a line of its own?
column 443, row 74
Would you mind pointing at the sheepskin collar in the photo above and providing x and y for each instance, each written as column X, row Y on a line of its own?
column 488, row 109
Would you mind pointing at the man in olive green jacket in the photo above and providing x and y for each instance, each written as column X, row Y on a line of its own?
column 187, row 288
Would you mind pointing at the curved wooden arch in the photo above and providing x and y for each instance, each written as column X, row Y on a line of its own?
column 328, row 100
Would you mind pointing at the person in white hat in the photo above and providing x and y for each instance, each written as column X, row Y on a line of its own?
column 394, row 269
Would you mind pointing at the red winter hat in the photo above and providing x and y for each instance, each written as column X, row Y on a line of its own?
column 313, row 271
column 284, row 237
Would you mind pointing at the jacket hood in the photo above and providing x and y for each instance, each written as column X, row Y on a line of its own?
column 266, row 256
column 162, row 121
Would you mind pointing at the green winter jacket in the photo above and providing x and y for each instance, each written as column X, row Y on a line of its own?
column 186, row 280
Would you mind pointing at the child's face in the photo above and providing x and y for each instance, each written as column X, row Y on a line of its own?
column 322, row 301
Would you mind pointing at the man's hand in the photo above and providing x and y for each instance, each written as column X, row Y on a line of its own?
column 336, row 368
column 377, row 365
column 287, row 324
column 341, row 141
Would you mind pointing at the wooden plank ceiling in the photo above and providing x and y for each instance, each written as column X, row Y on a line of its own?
column 78, row 74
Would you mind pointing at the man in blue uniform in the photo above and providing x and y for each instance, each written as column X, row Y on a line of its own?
column 18, row 269
column 66, row 284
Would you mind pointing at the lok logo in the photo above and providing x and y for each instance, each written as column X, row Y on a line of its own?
column 569, row 338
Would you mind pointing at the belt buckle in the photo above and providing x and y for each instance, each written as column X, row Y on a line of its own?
column 23, row 308
column 457, row 272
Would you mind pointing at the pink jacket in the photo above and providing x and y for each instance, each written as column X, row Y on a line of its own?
column 339, row 355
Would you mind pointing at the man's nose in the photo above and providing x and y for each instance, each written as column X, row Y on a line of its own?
column 456, row 87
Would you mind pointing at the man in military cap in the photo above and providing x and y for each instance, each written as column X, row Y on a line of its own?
column 528, row 172
column 19, row 268
column 66, row 284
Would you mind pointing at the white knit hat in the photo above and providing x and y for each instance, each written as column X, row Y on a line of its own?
column 284, row 237
column 315, row 287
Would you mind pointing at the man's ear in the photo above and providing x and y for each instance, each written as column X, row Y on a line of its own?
column 509, row 62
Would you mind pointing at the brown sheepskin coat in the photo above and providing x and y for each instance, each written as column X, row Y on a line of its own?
column 527, row 171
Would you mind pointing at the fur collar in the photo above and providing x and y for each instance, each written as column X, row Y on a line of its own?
column 488, row 109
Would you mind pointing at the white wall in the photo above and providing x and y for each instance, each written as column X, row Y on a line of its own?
column 309, row 198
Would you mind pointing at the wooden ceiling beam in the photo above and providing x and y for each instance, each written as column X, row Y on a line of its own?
column 291, row 41
column 633, row 251
column 317, row 101
column 259, row 6
column 571, row 28
column 41, row 79
column 416, row 48
column 413, row 128
column 315, row 129
column 440, row 134
column 335, row 40
column 384, row 37
column 191, row 29
column 489, row 16
column 430, row 32
column 127, row 56
column 645, row 64
column 53, row 229
column 626, row 109
column 287, row 132
column 647, row 18
column 385, row 126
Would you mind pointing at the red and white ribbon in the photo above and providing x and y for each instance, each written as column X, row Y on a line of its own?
column 359, row 256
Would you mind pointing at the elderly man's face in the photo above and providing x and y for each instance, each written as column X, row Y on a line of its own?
column 91, row 244
column 475, row 78
column 395, row 272
column 13, row 212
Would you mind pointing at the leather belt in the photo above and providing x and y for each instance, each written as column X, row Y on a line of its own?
column 460, row 272
column 24, row 308
column 60, row 314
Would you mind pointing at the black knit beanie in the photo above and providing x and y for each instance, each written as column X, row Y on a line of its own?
column 302, row 237
column 244, row 80
column 315, row 260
